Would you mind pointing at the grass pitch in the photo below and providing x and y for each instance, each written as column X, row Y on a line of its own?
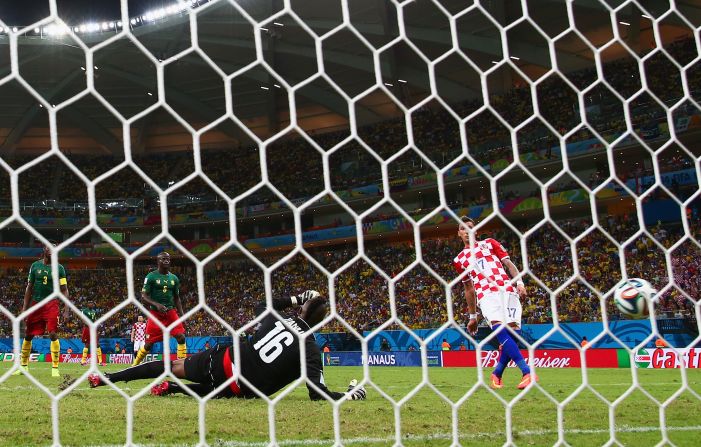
column 98, row 417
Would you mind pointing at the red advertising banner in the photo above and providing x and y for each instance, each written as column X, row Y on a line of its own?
column 542, row 358
column 70, row 358
column 460, row 358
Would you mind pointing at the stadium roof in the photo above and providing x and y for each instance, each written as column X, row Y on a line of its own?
column 55, row 65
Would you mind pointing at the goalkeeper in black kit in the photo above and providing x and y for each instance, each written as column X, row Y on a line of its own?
column 270, row 359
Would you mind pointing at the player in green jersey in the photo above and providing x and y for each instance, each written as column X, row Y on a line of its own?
column 91, row 313
column 44, row 318
column 161, row 294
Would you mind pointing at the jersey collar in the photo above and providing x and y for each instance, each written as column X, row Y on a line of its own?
column 305, row 323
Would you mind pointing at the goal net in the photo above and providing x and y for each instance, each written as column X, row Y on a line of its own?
column 282, row 145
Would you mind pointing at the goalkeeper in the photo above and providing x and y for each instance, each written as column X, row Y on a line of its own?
column 270, row 360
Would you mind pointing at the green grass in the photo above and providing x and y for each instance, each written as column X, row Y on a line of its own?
column 98, row 417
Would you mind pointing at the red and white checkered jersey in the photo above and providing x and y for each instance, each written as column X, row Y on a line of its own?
column 139, row 331
column 484, row 267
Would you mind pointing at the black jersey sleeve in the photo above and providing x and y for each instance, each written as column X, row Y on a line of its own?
column 278, row 304
column 315, row 373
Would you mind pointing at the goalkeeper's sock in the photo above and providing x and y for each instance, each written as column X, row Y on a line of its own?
column 55, row 348
column 510, row 348
column 182, row 351
column 26, row 350
column 198, row 388
column 99, row 354
column 139, row 356
column 84, row 359
column 148, row 370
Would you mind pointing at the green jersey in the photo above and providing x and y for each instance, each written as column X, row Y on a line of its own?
column 162, row 288
column 40, row 277
column 90, row 313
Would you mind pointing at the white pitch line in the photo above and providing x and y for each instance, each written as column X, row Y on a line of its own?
column 448, row 436
column 435, row 436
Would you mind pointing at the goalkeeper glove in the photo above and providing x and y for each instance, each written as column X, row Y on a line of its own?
column 304, row 297
column 355, row 393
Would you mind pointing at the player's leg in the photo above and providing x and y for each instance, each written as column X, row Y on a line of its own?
column 178, row 332
column 498, row 372
column 55, row 348
column 26, row 350
column 513, row 319
column 86, row 345
column 509, row 346
column 491, row 308
column 147, row 370
column 527, row 376
column 51, row 314
column 151, row 370
column 98, row 350
column 141, row 354
column 504, row 358
column 182, row 346
column 100, row 359
column 137, row 347
column 169, row 387
column 496, row 311
column 153, row 335
column 34, row 325
column 207, row 369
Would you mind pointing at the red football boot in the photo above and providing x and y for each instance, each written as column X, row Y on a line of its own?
column 162, row 389
column 95, row 380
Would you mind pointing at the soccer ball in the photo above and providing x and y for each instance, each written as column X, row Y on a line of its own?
column 633, row 296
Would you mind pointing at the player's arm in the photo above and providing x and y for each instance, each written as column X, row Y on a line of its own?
column 503, row 256
column 284, row 303
column 471, row 305
column 513, row 271
column 28, row 292
column 315, row 374
column 176, row 298
column 146, row 296
column 133, row 329
column 63, row 285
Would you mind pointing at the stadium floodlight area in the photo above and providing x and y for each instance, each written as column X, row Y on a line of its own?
column 509, row 55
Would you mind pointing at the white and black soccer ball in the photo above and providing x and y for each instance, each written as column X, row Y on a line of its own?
column 633, row 297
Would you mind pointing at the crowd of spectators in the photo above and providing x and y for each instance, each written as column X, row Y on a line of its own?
column 363, row 295
column 436, row 134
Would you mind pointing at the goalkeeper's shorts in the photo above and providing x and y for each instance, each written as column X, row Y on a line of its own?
column 210, row 368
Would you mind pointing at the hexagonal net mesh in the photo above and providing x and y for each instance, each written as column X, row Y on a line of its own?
column 566, row 130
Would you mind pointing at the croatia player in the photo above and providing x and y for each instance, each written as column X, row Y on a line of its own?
column 487, row 285
column 91, row 313
column 161, row 293
column 270, row 360
column 45, row 318
column 138, row 334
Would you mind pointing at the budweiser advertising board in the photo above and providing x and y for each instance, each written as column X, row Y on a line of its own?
column 542, row 358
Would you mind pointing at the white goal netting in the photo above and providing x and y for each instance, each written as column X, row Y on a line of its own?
column 286, row 145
